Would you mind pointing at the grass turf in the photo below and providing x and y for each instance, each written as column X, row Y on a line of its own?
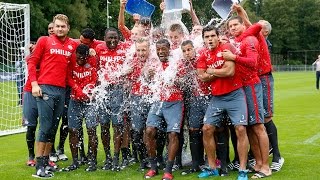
column 297, row 117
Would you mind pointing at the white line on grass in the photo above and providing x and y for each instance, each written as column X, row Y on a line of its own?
column 295, row 154
column 312, row 139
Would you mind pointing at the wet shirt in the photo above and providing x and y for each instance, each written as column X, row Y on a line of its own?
column 110, row 62
column 192, row 83
column 82, row 78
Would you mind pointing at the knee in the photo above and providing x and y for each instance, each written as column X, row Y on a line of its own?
column 241, row 130
column 173, row 136
column 207, row 129
column 150, row 132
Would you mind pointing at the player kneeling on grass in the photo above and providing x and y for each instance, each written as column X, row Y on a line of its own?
column 82, row 79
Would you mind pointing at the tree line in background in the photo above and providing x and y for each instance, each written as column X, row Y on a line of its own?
column 295, row 23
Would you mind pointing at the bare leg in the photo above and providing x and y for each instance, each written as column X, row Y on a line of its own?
column 209, row 144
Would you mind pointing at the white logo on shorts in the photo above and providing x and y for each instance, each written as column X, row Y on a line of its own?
column 176, row 126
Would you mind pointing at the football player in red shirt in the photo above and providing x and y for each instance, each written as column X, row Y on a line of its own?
column 111, row 56
column 82, row 79
column 247, row 61
column 168, row 107
column 228, row 96
column 52, row 54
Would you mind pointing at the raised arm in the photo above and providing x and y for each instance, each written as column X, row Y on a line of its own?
column 121, row 21
column 242, row 13
column 194, row 17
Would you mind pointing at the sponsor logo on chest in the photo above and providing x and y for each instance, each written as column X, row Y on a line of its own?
column 60, row 52
column 82, row 74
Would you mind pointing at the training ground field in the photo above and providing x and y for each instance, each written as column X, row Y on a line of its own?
column 297, row 116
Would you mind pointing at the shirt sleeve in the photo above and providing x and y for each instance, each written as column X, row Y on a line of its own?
column 36, row 57
column 253, row 30
column 251, row 45
column 70, row 80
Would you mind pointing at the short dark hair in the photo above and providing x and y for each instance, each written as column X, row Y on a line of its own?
column 164, row 41
column 112, row 29
column 233, row 18
column 209, row 28
column 186, row 42
column 88, row 33
column 83, row 50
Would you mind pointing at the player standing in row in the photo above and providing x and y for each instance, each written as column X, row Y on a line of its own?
column 111, row 55
column 267, row 81
column 52, row 54
column 139, row 105
column 247, row 61
column 168, row 108
column 228, row 96
column 82, row 79
column 196, row 100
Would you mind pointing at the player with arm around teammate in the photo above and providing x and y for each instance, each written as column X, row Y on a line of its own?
column 228, row 97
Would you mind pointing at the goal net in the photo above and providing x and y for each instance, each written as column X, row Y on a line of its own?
column 14, row 40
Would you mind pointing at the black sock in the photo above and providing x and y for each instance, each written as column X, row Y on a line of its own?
column 169, row 167
column 273, row 139
column 153, row 163
column 195, row 148
column 63, row 135
column 45, row 161
column 222, row 149
column 30, row 137
column 124, row 153
column 39, row 163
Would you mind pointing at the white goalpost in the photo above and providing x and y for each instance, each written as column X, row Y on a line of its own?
column 14, row 42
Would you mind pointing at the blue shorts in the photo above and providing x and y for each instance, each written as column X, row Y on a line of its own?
column 112, row 107
column 50, row 108
column 139, row 109
column 233, row 104
column 78, row 110
column 169, row 112
column 254, row 103
column 29, row 110
column 267, row 82
column 196, row 108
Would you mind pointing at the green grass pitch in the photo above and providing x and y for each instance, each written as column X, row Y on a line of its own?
column 297, row 116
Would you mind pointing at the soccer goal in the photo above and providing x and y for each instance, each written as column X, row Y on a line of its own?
column 14, row 40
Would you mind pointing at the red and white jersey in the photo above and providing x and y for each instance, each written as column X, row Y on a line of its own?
column 110, row 62
column 213, row 59
column 53, row 56
column 81, row 77
column 247, row 59
column 140, row 86
column 167, row 78
column 192, row 81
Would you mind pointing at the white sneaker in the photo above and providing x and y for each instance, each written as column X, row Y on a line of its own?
column 276, row 166
column 53, row 157
column 63, row 157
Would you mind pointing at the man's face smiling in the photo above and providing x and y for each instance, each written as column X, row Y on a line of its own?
column 163, row 52
column 111, row 39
